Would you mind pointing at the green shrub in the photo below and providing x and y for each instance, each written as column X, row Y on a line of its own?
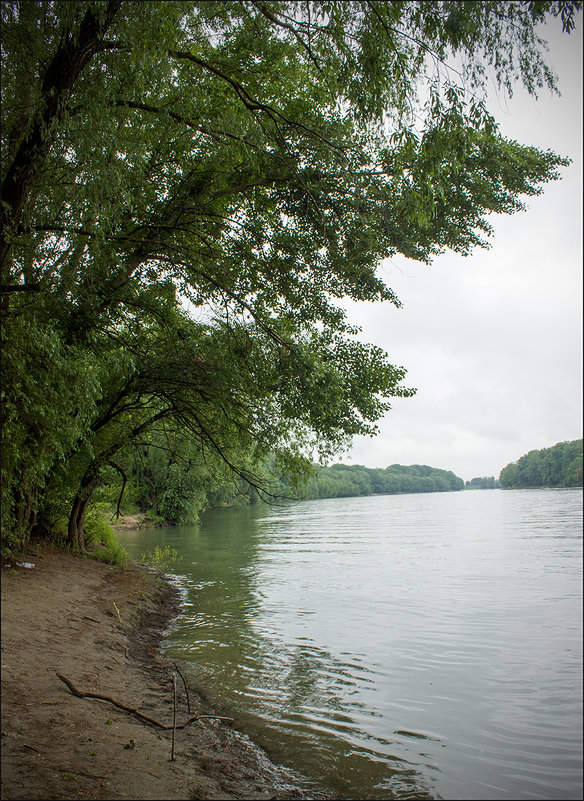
column 96, row 525
column 99, row 534
column 160, row 558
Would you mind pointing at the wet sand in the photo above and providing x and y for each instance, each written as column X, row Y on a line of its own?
column 100, row 627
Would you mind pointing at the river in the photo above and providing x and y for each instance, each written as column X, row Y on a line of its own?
column 393, row 646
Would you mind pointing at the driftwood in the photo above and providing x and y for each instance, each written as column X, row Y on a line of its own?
column 133, row 711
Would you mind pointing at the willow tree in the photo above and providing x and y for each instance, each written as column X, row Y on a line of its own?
column 251, row 162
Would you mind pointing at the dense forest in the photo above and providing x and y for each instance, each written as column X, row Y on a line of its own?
column 558, row 466
column 174, row 491
column 483, row 482
column 190, row 190
column 172, row 484
column 347, row 480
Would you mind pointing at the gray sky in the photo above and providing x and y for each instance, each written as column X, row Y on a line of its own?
column 493, row 341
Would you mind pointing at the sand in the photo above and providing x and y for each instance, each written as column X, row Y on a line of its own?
column 100, row 627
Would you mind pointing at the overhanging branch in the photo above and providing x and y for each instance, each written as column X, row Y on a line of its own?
column 6, row 289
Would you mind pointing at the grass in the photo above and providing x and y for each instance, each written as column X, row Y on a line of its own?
column 100, row 535
column 100, row 540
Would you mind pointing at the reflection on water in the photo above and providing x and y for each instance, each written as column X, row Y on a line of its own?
column 395, row 646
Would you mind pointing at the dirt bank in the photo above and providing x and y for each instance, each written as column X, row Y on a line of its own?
column 100, row 627
column 128, row 521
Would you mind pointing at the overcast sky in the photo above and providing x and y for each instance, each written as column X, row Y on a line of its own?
column 493, row 341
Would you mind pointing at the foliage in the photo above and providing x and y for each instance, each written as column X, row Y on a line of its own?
column 110, row 551
column 40, row 377
column 97, row 528
column 349, row 480
column 188, row 191
column 100, row 537
column 173, row 478
column 485, row 482
column 161, row 558
column 168, row 477
column 558, row 466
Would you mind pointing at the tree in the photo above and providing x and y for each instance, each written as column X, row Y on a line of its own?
column 558, row 466
column 345, row 481
column 483, row 482
column 251, row 162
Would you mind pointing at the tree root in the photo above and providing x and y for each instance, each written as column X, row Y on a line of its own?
column 135, row 712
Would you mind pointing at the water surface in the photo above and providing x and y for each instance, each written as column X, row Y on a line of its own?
column 407, row 646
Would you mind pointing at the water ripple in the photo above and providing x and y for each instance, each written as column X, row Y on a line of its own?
column 422, row 646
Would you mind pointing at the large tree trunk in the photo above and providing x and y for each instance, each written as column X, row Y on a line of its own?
column 90, row 481
column 25, row 515
column 77, row 516
column 59, row 79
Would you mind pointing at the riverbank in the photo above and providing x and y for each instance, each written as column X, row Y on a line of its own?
column 100, row 627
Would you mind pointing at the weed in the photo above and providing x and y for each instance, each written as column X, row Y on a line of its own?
column 161, row 558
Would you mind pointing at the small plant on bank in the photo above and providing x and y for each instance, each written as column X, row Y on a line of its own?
column 160, row 558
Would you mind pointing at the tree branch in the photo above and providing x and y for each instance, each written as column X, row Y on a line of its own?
column 267, row 13
column 124, row 480
column 6, row 289
column 250, row 102
column 215, row 134
column 131, row 710
column 58, row 81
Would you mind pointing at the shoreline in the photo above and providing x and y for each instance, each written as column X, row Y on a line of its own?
column 101, row 627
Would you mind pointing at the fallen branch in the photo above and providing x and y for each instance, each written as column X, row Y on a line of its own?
column 133, row 711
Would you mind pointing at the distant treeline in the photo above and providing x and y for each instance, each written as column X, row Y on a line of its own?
column 340, row 480
column 558, row 466
column 484, row 482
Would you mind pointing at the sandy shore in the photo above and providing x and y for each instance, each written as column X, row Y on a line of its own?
column 100, row 628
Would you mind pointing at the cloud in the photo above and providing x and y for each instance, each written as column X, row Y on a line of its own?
column 493, row 342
